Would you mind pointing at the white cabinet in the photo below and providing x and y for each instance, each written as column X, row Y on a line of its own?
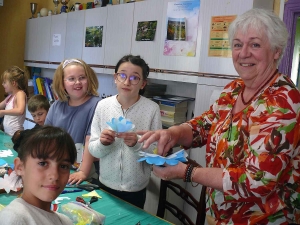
column 74, row 34
column 118, row 34
column 37, row 42
column 148, row 50
column 221, row 65
column 95, row 55
column 43, row 39
column 181, row 63
column 57, row 40
column 30, row 40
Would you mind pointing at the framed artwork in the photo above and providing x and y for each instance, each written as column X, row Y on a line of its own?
column 93, row 36
column 146, row 31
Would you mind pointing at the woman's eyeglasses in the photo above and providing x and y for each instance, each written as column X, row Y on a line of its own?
column 73, row 80
column 122, row 77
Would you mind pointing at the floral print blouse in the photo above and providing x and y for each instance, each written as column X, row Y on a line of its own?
column 258, row 149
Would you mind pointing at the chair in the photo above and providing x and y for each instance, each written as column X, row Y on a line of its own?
column 198, row 205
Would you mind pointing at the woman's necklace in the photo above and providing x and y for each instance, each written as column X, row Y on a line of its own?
column 250, row 100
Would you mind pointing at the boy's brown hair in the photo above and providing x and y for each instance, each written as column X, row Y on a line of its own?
column 38, row 102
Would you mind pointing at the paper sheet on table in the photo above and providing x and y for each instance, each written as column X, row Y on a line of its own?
column 92, row 194
column 6, row 153
column 11, row 182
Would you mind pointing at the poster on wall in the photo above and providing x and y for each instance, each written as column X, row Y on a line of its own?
column 146, row 31
column 218, row 42
column 182, row 28
column 93, row 36
column 56, row 39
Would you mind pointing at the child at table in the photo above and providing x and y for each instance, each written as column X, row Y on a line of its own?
column 15, row 83
column 45, row 156
column 121, row 174
column 76, row 84
column 38, row 106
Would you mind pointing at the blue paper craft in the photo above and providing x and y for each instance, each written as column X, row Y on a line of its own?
column 120, row 125
column 160, row 160
column 3, row 163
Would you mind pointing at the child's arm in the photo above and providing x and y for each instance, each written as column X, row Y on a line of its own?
column 3, row 103
column 85, row 166
column 19, row 106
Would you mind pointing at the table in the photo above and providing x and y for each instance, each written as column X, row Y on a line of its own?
column 6, row 143
column 116, row 210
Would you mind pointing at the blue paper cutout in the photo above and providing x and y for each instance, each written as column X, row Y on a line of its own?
column 120, row 125
column 158, row 160
column 12, row 166
column 3, row 162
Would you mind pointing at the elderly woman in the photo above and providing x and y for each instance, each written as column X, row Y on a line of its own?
column 251, row 133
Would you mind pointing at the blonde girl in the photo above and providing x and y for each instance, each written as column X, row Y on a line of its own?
column 15, row 83
column 76, row 84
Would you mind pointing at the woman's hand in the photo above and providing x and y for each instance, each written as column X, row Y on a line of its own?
column 77, row 177
column 170, row 172
column 107, row 137
column 130, row 138
column 165, row 140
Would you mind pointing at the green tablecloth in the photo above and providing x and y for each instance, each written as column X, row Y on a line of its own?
column 5, row 144
column 116, row 210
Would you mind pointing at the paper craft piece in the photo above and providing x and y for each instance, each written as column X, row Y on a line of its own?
column 160, row 160
column 11, row 182
column 8, row 145
column 91, row 194
column 3, row 163
column 11, row 166
column 59, row 199
column 6, row 153
column 120, row 125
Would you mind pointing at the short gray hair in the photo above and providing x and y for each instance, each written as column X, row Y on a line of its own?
column 262, row 21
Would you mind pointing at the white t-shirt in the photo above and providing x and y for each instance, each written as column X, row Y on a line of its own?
column 19, row 212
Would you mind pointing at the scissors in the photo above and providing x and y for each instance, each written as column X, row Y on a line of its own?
column 93, row 199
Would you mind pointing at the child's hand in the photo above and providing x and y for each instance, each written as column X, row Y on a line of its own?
column 77, row 177
column 107, row 137
column 130, row 138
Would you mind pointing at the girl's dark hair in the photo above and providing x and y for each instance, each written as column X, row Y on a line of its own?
column 138, row 61
column 44, row 142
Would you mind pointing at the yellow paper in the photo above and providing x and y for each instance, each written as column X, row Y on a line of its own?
column 91, row 194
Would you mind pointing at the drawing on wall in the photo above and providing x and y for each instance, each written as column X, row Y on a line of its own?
column 93, row 36
column 219, row 41
column 176, row 29
column 146, row 31
column 182, row 28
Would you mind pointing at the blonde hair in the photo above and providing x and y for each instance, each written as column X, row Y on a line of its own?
column 58, row 79
column 19, row 76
